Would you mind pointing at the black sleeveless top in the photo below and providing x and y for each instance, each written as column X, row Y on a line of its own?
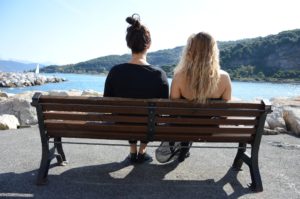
column 136, row 81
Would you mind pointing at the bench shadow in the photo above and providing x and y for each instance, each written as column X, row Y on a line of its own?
column 120, row 180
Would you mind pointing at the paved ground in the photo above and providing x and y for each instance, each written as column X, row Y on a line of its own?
column 96, row 171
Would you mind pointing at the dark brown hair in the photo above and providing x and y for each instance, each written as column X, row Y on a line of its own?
column 138, row 36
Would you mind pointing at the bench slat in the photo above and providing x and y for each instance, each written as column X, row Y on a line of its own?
column 145, row 110
column 93, row 126
column 95, row 108
column 210, row 138
column 95, row 134
column 58, row 115
column 170, row 130
column 95, row 117
column 208, row 112
column 202, row 121
column 142, row 102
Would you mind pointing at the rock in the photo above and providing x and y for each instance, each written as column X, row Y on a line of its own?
column 291, row 116
column 58, row 93
column 28, row 95
column 285, row 101
column 74, row 92
column 275, row 119
column 8, row 122
column 266, row 125
column 270, row 132
column 3, row 95
column 91, row 93
column 21, row 108
column 3, row 98
column 65, row 93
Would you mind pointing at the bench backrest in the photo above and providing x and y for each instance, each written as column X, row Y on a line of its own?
column 149, row 119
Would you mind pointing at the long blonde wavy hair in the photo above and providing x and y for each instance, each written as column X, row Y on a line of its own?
column 199, row 63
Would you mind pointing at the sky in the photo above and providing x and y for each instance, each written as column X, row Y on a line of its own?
column 71, row 31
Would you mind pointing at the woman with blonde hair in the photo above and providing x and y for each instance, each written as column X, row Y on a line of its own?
column 198, row 76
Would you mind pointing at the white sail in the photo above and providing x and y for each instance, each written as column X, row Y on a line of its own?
column 37, row 69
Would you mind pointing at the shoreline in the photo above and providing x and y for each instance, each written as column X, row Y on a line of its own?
column 272, row 80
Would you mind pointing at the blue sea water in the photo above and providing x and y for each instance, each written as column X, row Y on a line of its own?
column 241, row 90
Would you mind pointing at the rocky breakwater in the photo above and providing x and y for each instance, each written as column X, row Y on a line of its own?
column 25, row 79
column 16, row 110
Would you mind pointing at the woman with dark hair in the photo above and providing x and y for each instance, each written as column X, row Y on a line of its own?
column 137, row 78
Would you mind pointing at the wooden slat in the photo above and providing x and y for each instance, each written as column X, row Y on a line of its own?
column 223, row 138
column 203, row 130
column 144, row 102
column 95, row 108
column 208, row 112
column 81, row 100
column 79, row 116
column 201, row 121
column 93, row 126
column 214, row 104
column 95, row 134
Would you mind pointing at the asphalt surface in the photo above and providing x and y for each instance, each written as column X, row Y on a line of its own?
column 97, row 171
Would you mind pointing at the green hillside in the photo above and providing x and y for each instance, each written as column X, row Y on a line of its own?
column 270, row 58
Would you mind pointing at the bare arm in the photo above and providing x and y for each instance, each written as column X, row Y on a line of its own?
column 175, row 88
column 227, row 90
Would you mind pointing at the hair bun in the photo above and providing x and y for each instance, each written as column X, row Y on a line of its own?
column 134, row 20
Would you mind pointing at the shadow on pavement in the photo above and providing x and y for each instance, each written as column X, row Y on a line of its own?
column 119, row 180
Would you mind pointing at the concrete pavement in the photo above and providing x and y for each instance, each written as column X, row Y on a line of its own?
column 97, row 171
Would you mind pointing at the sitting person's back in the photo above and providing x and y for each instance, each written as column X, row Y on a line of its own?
column 137, row 79
column 198, row 76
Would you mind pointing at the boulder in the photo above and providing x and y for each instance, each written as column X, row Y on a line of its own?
column 65, row 93
column 8, row 122
column 28, row 95
column 270, row 132
column 21, row 108
column 3, row 95
column 275, row 119
column 291, row 117
column 58, row 93
column 91, row 93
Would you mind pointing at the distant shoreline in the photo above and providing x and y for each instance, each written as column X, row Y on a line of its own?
column 286, row 81
column 254, row 79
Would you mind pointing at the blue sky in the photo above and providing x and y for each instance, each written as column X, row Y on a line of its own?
column 70, row 31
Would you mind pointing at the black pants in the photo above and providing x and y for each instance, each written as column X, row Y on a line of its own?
column 135, row 141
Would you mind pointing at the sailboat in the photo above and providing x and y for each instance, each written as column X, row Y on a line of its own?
column 37, row 69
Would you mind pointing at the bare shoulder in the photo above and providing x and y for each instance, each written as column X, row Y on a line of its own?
column 178, row 77
column 224, row 75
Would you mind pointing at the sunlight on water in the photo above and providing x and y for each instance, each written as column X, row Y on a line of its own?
column 241, row 90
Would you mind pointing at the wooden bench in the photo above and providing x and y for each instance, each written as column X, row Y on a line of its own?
column 152, row 120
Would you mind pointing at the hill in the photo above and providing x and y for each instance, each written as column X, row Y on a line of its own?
column 270, row 58
column 15, row 66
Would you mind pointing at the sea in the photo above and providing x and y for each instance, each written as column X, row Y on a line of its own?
column 240, row 90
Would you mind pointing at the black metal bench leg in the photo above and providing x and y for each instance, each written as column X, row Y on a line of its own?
column 44, row 166
column 61, row 158
column 238, row 161
column 255, row 173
